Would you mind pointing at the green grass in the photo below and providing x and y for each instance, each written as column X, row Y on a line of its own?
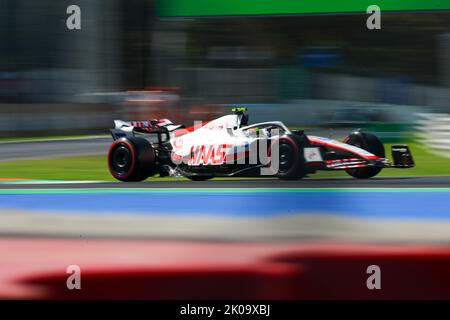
column 67, row 168
column 95, row 167
column 70, row 168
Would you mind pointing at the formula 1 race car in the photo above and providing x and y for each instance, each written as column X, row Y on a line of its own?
column 229, row 146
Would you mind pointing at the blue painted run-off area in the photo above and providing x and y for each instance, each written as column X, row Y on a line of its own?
column 426, row 205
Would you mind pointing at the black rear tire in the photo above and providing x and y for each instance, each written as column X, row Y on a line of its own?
column 371, row 143
column 131, row 159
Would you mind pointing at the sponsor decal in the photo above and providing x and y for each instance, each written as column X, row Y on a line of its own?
column 208, row 154
column 312, row 155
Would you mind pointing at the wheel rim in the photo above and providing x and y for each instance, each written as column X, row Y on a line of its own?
column 121, row 160
column 286, row 157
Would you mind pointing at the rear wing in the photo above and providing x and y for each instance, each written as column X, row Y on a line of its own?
column 149, row 130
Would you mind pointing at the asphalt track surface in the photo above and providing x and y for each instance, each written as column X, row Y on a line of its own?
column 24, row 150
column 267, row 183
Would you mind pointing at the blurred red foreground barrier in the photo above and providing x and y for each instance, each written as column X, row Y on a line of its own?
column 132, row 269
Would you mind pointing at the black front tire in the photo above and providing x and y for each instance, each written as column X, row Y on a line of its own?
column 371, row 143
column 131, row 159
column 291, row 165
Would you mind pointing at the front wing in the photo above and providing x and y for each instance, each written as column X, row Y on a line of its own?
column 401, row 156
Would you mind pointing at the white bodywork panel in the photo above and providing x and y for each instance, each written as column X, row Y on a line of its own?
column 214, row 142
column 222, row 141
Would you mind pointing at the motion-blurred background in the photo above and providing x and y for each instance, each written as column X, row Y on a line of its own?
column 305, row 70
column 61, row 89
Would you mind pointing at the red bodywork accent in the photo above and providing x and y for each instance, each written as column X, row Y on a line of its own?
column 331, row 145
column 349, row 163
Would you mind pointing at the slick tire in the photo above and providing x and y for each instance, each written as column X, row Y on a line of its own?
column 370, row 143
column 131, row 159
column 291, row 164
